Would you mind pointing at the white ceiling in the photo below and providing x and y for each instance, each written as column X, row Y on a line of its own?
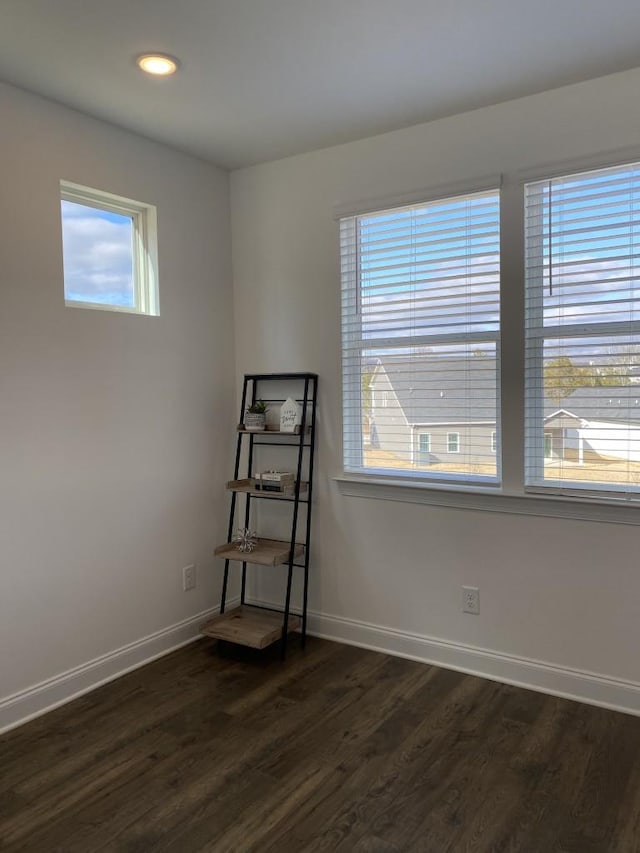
column 263, row 79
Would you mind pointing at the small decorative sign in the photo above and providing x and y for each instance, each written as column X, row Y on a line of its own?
column 289, row 415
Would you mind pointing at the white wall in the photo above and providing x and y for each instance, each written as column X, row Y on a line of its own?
column 115, row 430
column 558, row 591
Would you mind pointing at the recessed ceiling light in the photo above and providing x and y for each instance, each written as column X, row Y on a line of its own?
column 157, row 63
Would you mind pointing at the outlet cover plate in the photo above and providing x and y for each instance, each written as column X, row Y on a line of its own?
column 189, row 577
column 471, row 600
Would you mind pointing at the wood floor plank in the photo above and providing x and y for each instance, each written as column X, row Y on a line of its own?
column 376, row 750
column 368, row 800
column 450, row 763
column 371, row 844
column 342, row 728
column 337, row 749
column 185, row 789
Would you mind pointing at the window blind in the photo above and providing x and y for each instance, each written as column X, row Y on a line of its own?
column 582, row 356
column 420, row 323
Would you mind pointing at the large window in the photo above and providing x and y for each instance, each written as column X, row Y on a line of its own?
column 583, row 332
column 421, row 332
column 109, row 251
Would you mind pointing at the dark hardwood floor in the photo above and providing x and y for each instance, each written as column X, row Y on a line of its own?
column 338, row 749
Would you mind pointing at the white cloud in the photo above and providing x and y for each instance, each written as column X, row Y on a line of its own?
column 448, row 297
column 97, row 255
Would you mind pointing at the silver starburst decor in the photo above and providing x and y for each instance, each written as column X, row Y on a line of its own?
column 245, row 540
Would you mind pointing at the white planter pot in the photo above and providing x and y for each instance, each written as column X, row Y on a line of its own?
column 254, row 422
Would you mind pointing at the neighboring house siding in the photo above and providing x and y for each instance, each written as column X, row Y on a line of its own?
column 617, row 441
column 389, row 428
column 474, row 443
column 556, row 442
column 399, row 416
column 584, row 440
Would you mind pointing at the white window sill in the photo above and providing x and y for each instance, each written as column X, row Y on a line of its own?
column 486, row 499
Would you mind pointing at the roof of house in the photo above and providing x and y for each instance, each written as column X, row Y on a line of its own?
column 429, row 395
column 601, row 403
column 436, row 390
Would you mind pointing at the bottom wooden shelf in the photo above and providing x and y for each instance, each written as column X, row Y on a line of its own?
column 249, row 626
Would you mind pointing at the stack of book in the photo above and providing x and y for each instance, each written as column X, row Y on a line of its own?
column 275, row 481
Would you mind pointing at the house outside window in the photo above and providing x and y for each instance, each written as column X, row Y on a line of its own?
column 109, row 251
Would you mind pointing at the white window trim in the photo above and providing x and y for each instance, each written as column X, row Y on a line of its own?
column 420, row 196
column 457, row 435
column 489, row 500
column 509, row 498
column 145, row 247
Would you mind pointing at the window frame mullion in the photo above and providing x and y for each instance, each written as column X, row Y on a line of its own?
column 534, row 333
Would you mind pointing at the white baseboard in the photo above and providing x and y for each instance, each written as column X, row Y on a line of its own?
column 561, row 681
column 582, row 686
column 23, row 706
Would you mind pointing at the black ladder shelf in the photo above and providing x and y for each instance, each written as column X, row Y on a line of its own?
column 250, row 625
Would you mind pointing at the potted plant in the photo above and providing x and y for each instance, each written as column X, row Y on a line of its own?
column 255, row 416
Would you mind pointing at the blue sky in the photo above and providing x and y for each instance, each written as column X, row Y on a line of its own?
column 436, row 267
column 97, row 255
column 431, row 268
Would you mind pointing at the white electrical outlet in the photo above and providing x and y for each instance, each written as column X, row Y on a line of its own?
column 471, row 600
column 189, row 578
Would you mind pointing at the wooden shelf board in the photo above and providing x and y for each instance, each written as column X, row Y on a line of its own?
column 268, row 552
column 273, row 431
column 248, row 486
column 249, row 626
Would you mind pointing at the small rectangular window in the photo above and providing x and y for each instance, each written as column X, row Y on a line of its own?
column 494, row 441
column 453, row 442
column 109, row 251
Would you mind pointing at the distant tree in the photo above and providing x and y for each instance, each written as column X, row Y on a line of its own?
column 562, row 377
column 621, row 365
column 610, row 374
